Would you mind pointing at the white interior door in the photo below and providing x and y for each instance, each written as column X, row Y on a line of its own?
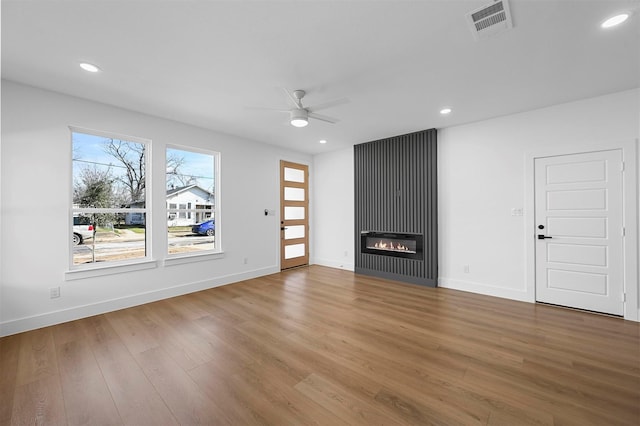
column 579, row 242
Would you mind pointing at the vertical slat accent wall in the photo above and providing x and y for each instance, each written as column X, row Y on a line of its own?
column 396, row 191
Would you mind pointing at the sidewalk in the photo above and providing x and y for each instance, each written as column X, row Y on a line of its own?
column 120, row 235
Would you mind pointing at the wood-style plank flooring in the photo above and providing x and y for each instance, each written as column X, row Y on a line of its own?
column 321, row 346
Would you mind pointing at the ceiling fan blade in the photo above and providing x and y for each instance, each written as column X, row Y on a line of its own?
column 323, row 118
column 296, row 102
column 329, row 104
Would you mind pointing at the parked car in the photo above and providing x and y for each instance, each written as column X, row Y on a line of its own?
column 82, row 229
column 205, row 228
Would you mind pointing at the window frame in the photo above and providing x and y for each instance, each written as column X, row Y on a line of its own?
column 86, row 270
column 217, row 251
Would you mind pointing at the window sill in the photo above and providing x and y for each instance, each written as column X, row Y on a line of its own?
column 103, row 270
column 192, row 258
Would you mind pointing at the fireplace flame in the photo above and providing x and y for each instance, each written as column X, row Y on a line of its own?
column 389, row 245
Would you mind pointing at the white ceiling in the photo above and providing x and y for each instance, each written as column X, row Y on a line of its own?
column 399, row 62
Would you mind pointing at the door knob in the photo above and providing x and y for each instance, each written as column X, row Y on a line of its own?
column 542, row 237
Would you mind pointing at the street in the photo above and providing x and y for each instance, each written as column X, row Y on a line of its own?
column 108, row 248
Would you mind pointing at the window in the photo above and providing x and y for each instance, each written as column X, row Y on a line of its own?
column 192, row 209
column 109, row 202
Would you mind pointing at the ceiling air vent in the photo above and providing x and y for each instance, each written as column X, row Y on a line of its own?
column 490, row 19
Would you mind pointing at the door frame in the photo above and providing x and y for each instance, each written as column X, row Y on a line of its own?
column 630, row 208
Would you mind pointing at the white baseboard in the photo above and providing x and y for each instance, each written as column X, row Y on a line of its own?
column 480, row 288
column 56, row 317
column 331, row 263
column 521, row 295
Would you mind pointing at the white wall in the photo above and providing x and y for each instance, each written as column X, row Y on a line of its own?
column 481, row 177
column 36, row 161
column 333, row 209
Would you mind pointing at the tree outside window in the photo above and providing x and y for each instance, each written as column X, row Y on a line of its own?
column 108, row 208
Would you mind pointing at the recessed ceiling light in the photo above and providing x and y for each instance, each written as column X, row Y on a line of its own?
column 89, row 67
column 615, row 20
column 445, row 111
column 323, row 141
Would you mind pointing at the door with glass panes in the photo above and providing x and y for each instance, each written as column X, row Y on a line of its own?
column 294, row 218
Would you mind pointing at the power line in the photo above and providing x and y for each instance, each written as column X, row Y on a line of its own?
column 99, row 164
column 124, row 167
column 182, row 175
column 192, row 176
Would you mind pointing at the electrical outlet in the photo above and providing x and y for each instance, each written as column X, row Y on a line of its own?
column 54, row 292
column 346, row 253
column 466, row 269
column 245, row 260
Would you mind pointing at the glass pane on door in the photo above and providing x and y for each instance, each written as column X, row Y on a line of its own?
column 295, row 250
column 291, row 232
column 293, row 194
column 293, row 213
column 293, row 175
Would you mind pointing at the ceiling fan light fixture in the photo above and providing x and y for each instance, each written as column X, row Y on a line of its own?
column 299, row 118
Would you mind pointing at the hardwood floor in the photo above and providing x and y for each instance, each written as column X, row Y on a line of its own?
column 326, row 347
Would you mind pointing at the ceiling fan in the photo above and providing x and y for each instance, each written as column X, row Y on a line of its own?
column 299, row 115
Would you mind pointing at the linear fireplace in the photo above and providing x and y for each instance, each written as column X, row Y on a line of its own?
column 408, row 246
column 396, row 211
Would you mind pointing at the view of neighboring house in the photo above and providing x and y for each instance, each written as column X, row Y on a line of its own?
column 189, row 197
column 198, row 200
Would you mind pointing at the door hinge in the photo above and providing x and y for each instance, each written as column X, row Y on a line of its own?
column 623, row 231
column 624, row 297
column 622, row 166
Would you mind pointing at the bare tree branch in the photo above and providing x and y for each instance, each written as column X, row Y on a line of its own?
column 132, row 156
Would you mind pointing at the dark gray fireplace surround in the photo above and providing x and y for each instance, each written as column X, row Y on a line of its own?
column 396, row 208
